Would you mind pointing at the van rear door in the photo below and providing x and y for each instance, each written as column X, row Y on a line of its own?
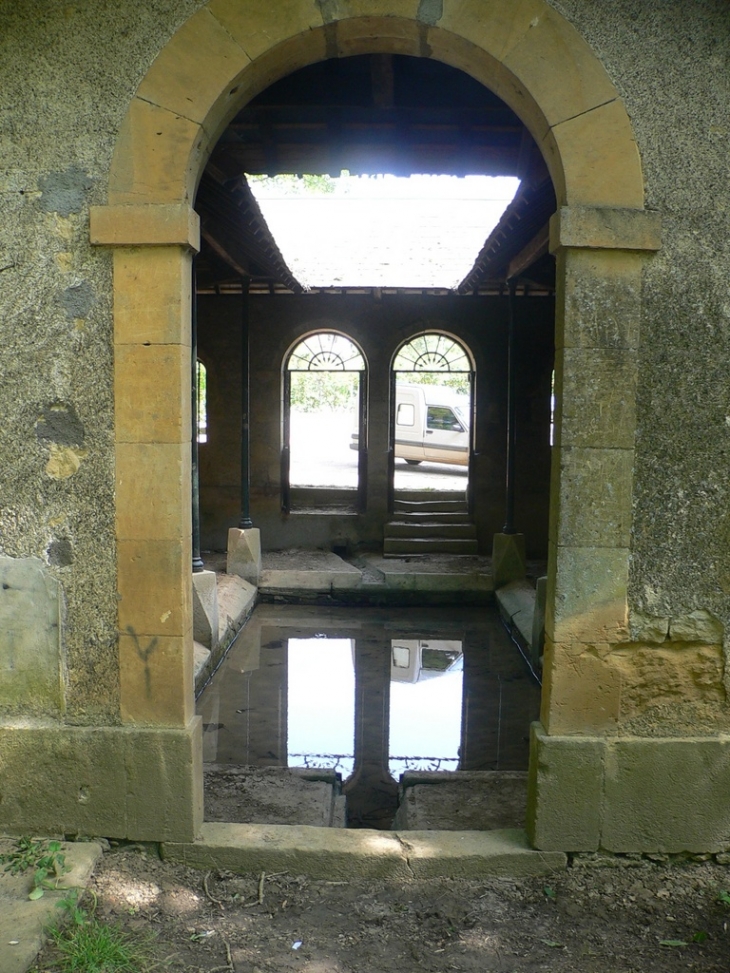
column 408, row 425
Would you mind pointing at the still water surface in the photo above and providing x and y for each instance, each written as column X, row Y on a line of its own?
column 371, row 693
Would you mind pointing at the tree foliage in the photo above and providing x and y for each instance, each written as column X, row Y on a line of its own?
column 318, row 391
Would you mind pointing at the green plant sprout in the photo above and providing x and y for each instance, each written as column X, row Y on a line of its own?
column 44, row 857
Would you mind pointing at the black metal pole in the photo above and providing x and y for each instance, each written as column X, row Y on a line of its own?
column 198, row 565
column 245, row 519
column 509, row 521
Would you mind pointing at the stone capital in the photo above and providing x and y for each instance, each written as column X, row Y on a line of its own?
column 604, row 228
column 145, row 225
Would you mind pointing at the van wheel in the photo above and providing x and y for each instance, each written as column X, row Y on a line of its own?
column 414, row 462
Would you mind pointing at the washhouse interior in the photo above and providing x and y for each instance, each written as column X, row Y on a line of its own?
column 372, row 418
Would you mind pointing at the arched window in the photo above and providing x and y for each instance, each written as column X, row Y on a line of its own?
column 201, row 381
column 431, row 396
column 324, row 429
column 326, row 351
column 432, row 352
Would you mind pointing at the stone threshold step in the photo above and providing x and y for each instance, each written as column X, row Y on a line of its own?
column 429, row 545
column 322, row 853
column 430, row 528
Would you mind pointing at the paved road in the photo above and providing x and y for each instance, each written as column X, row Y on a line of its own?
column 321, row 457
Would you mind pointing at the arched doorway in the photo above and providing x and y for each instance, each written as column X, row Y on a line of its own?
column 431, row 391
column 543, row 69
column 324, row 413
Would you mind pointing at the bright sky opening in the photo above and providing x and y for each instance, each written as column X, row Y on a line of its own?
column 382, row 230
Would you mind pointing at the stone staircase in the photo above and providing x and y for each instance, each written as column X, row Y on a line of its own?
column 429, row 523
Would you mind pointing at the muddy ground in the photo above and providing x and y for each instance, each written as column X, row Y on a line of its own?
column 627, row 914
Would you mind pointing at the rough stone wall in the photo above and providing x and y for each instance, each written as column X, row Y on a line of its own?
column 671, row 64
column 67, row 73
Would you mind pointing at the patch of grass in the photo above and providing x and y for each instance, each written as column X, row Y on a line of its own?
column 84, row 944
column 94, row 947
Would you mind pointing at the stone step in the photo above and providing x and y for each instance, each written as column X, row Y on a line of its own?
column 430, row 506
column 432, row 516
column 430, row 528
column 398, row 546
column 326, row 853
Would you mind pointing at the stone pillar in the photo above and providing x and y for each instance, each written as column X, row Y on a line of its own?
column 152, row 313
column 600, row 255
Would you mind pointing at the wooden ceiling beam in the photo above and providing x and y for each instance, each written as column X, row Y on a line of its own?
column 530, row 254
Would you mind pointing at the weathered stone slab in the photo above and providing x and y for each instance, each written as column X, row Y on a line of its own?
column 667, row 795
column 268, row 795
column 462, row 801
column 516, row 602
column 22, row 922
column 565, row 791
column 341, row 854
column 475, row 854
column 317, row 852
column 307, row 571
column 131, row 782
column 31, row 670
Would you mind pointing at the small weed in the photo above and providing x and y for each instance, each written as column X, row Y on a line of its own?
column 44, row 857
column 724, row 898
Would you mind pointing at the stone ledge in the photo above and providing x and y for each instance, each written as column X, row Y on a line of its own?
column 334, row 854
column 152, row 224
column 604, row 228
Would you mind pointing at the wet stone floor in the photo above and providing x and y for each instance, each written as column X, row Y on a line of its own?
column 344, row 717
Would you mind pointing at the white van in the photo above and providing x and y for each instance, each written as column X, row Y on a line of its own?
column 431, row 425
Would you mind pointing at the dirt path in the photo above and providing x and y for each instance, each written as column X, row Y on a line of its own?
column 607, row 919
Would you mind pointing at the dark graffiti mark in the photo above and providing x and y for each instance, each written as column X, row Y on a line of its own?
column 144, row 656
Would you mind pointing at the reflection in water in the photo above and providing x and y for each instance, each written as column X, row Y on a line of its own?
column 371, row 693
column 425, row 705
column 321, row 717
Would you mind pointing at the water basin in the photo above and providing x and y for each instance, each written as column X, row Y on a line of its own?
column 312, row 701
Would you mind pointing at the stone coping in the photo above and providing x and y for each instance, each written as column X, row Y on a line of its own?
column 323, row 853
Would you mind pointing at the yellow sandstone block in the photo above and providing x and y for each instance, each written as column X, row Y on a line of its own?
column 154, row 586
column 259, row 25
column 553, row 61
column 152, row 393
column 153, row 491
column 157, row 157
column 145, row 225
column 152, row 295
column 365, row 35
column 581, row 692
column 194, row 72
column 156, row 678
column 599, row 159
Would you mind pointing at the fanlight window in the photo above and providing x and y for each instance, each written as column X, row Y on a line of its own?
column 432, row 353
column 326, row 351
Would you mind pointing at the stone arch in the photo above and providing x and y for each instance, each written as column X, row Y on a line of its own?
column 530, row 56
